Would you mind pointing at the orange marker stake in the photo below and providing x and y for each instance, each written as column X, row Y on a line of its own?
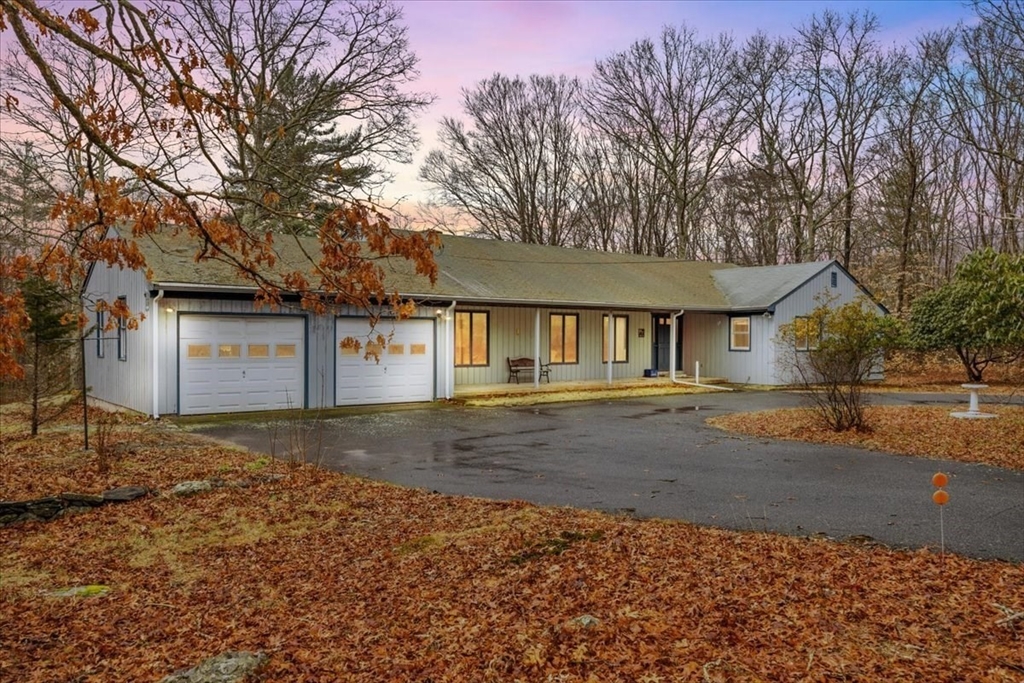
column 940, row 498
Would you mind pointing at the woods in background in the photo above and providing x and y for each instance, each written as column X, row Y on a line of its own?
column 897, row 160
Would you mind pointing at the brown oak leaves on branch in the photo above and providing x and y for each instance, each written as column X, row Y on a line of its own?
column 151, row 152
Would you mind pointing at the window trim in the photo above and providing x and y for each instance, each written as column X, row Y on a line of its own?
column 807, row 346
column 576, row 350
column 732, row 333
column 101, row 322
column 604, row 337
column 122, row 334
column 487, row 339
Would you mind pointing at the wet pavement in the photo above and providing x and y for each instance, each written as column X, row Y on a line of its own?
column 656, row 457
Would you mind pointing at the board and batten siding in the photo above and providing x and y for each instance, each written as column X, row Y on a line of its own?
column 511, row 331
column 809, row 296
column 706, row 339
column 125, row 383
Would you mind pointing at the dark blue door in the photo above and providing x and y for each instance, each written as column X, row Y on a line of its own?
column 662, row 340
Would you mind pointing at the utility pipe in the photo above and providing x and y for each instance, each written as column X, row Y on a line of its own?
column 155, row 310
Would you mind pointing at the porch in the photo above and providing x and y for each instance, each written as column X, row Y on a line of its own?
column 661, row 384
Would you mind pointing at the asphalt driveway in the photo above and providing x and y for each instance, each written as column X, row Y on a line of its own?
column 655, row 457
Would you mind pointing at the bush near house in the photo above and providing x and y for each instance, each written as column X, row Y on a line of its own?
column 832, row 353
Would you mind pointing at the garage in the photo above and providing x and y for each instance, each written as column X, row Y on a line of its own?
column 232, row 364
column 405, row 373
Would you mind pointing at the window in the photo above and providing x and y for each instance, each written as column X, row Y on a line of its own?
column 288, row 351
column 122, row 331
column 471, row 335
column 739, row 333
column 101, row 322
column 198, row 350
column 621, row 339
column 229, row 350
column 564, row 341
column 806, row 333
column 259, row 350
column 835, row 279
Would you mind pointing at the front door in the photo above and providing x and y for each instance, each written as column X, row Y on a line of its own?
column 662, row 341
column 662, row 325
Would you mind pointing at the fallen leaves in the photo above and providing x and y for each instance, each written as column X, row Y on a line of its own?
column 339, row 578
column 925, row 431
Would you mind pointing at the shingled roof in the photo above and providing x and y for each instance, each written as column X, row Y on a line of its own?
column 473, row 270
column 761, row 287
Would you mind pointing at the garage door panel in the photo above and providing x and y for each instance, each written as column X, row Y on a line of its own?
column 229, row 363
column 400, row 376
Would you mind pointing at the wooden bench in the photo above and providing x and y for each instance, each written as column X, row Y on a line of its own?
column 525, row 365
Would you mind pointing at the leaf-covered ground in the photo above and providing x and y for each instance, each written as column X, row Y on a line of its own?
column 343, row 579
column 926, row 431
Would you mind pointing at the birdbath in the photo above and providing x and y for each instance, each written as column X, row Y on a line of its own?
column 973, row 413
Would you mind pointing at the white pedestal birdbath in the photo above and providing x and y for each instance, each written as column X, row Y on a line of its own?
column 973, row 413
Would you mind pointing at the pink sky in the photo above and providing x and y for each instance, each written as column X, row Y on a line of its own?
column 461, row 43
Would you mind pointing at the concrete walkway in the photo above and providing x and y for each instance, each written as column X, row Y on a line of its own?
column 656, row 457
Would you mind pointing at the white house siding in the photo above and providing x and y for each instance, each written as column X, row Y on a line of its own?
column 511, row 336
column 120, row 382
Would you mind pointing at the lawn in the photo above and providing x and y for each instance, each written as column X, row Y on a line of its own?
column 342, row 579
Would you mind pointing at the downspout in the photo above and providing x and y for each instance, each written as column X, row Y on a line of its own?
column 449, row 353
column 155, row 305
column 672, row 362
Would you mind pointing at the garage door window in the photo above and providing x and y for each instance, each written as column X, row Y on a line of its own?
column 199, row 351
column 229, row 351
column 284, row 351
column 259, row 350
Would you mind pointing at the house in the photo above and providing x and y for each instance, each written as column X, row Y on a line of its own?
column 204, row 348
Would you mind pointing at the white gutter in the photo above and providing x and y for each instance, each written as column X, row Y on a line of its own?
column 672, row 361
column 155, row 305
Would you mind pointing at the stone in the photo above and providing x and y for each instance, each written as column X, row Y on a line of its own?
column 82, row 499
column 584, row 621
column 91, row 591
column 227, row 667
column 123, row 494
column 191, row 488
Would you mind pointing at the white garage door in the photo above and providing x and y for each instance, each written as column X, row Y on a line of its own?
column 232, row 364
column 406, row 369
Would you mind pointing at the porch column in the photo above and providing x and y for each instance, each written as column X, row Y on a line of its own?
column 536, row 348
column 610, row 336
column 674, row 331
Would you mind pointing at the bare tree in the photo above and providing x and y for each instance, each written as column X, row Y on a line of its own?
column 513, row 170
column 854, row 81
column 676, row 105
column 986, row 99
column 320, row 102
